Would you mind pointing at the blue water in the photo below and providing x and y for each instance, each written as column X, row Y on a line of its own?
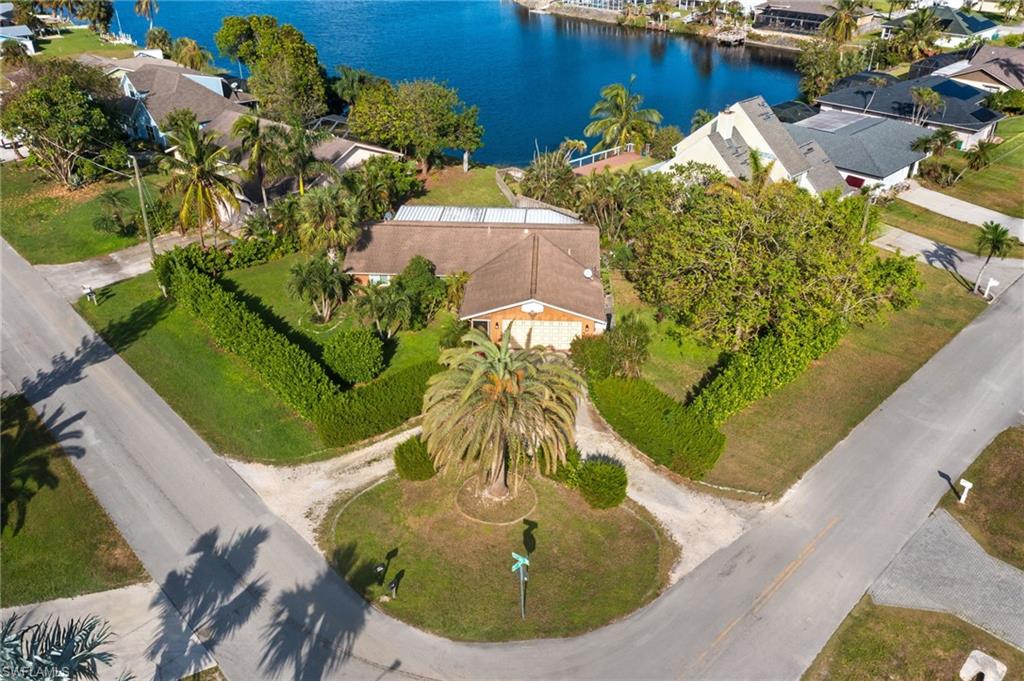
column 534, row 77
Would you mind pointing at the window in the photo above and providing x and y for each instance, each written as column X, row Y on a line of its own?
column 380, row 279
column 480, row 325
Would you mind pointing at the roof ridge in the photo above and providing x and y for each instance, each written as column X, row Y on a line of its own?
column 533, row 267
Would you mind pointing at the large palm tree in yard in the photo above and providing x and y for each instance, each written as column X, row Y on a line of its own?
column 146, row 9
column 938, row 143
column 618, row 118
column 256, row 140
column 1012, row 8
column 926, row 102
column 329, row 215
column 919, row 33
column 494, row 406
column 200, row 172
column 190, row 54
column 992, row 240
column 388, row 307
column 321, row 283
column 841, row 25
column 55, row 650
column 296, row 157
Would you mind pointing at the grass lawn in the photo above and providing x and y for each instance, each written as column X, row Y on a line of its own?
column 67, row 545
column 992, row 512
column 770, row 444
column 76, row 41
column 449, row 186
column 879, row 642
column 455, row 571
column 931, row 225
column 48, row 224
column 999, row 185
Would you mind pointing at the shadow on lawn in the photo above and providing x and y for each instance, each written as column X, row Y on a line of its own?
column 948, row 259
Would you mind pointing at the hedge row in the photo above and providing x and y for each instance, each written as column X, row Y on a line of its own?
column 769, row 363
column 213, row 261
column 657, row 425
column 289, row 371
column 374, row 408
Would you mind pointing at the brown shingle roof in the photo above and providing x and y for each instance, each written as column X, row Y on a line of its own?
column 1005, row 64
column 169, row 89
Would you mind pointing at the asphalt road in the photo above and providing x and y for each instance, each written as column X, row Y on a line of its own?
column 267, row 605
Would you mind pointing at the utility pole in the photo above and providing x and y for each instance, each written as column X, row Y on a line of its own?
column 142, row 205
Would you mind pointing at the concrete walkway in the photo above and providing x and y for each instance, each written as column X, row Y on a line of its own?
column 943, row 569
column 949, row 206
column 960, row 264
column 141, row 618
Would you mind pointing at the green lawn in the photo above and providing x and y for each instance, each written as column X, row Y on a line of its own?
column 76, row 41
column 449, row 186
column 455, row 571
column 992, row 512
column 999, row 185
column 49, row 224
column 773, row 442
column 945, row 230
column 67, row 545
column 878, row 642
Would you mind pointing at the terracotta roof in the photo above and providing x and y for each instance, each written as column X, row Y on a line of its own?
column 1005, row 64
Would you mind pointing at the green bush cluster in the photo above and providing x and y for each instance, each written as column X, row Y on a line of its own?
column 374, row 408
column 567, row 473
column 602, row 481
column 412, row 461
column 593, row 357
column 1014, row 40
column 621, row 351
column 355, row 355
column 1010, row 102
column 288, row 371
column 214, row 262
column 768, row 363
column 657, row 425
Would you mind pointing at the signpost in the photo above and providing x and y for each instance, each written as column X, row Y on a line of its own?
column 520, row 566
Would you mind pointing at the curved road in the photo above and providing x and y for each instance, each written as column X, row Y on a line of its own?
column 267, row 605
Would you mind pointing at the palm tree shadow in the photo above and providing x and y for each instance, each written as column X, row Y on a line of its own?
column 948, row 259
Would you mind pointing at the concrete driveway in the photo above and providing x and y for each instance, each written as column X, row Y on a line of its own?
column 952, row 207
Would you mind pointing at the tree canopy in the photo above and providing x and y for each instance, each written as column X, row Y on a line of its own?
column 821, row 63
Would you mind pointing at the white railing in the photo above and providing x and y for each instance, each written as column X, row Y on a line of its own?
column 599, row 156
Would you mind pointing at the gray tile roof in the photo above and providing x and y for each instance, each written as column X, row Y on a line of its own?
column 822, row 173
column 952, row 21
column 15, row 32
column 167, row 89
column 773, row 132
column 963, row 105
column 865, row 145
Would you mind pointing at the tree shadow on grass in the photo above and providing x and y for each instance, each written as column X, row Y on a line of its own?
column 948, row 259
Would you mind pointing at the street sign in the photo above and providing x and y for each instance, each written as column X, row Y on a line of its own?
column 520, row 566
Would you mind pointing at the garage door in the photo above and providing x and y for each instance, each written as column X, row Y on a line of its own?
column 556, row 334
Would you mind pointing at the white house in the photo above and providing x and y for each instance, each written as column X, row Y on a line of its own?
column 956, row 26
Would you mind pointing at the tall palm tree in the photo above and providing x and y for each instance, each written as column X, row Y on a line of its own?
column 494, row 406
column 201, row 174
column 926, row 102
column 876, row 83
column 55, row 650
column 618, row 118
column 329, row 215
column 160, row 39
column 977, row 158
column 841, row 25
column 899, row 6
column 388, row 307
column 320, row 283
column 994, row 240
column 146, row 9
column 760, row 172
column 256, row 141
column 190, row 54
column 919, row 33
column 938, row 143
column 295, row 156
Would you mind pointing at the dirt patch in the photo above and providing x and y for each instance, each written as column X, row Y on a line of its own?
column 471, row 502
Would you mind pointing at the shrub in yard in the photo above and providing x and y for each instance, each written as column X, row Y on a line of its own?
column 356, row 355
column 664, row 139
column 412, row 460
column 621, row 351
column 602, row 481
column 1014, row 40
column 452, row 331
column 657, row 425
column 568, row 473
column 593, row 357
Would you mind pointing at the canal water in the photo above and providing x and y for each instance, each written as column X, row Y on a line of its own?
column 533, row 76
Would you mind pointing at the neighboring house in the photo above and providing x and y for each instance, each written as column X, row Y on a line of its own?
column 942, row 64
column 533, row 271
column 802, row 17
column 867, row 150
column 963, row 107
column 21, row 34
column 956, row 26
column 995, row 69
column 750, row 125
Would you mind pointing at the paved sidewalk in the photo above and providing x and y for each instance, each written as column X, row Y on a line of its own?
column 139, row 616
column 942, row 568
column 949, row 206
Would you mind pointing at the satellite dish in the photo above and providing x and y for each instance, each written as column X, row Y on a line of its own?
column 588, row 273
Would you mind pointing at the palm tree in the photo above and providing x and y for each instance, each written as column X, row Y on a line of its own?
column 51, row 650
column 701, row 117
column 146, row 9
column 760, row 172
column 321, row 283
column 286, row 215
column 295, row 156
column 618, row 118
column 938, row 143
column 494, row 405
column 898, row 5
column 919, row 33
column 388, row 307
column 841, row 25
column 328, row 218
column 190, row 54
column 1012, row 9
column 926, row 102
column 876, row 83
column 977, row 158
column 994, row 240
column 24, row 466
column 712, row 8
column 255, row 140
column 201, row 174
column 159, row 39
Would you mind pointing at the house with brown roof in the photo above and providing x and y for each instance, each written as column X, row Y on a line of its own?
column 994, row 69
column 535, row 272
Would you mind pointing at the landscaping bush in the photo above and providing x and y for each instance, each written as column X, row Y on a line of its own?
column 412, row 461
column 593, row 357
column 355, row 355
column 374, row 408
column 621, row 351
column 214, row 262
column 664, row 141
column 568, row 473
column 452, row 331
column 602, row 481
column 288, row 371
column 1014, row 40
column 657, row 425
column 1009, row 102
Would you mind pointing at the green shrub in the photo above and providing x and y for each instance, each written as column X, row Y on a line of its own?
column 593, row 357
column 452, row 331
column 664, row 140
column 568, row 473
column 621, row 351
column 602, row 481
column 412, row 461
column 295, row 377
column 1014, row 40
column 374, row 408
column 356, row 355
column 657, row 425
column 214, row 262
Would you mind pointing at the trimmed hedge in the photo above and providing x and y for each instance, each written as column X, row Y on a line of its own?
column 214, row 262
column 768, row 363
column 602, row 482
column 412, row 460
column 374, row 408
column 657, row 425
column 356, row 355
column 295, row 377
column 592, row 355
